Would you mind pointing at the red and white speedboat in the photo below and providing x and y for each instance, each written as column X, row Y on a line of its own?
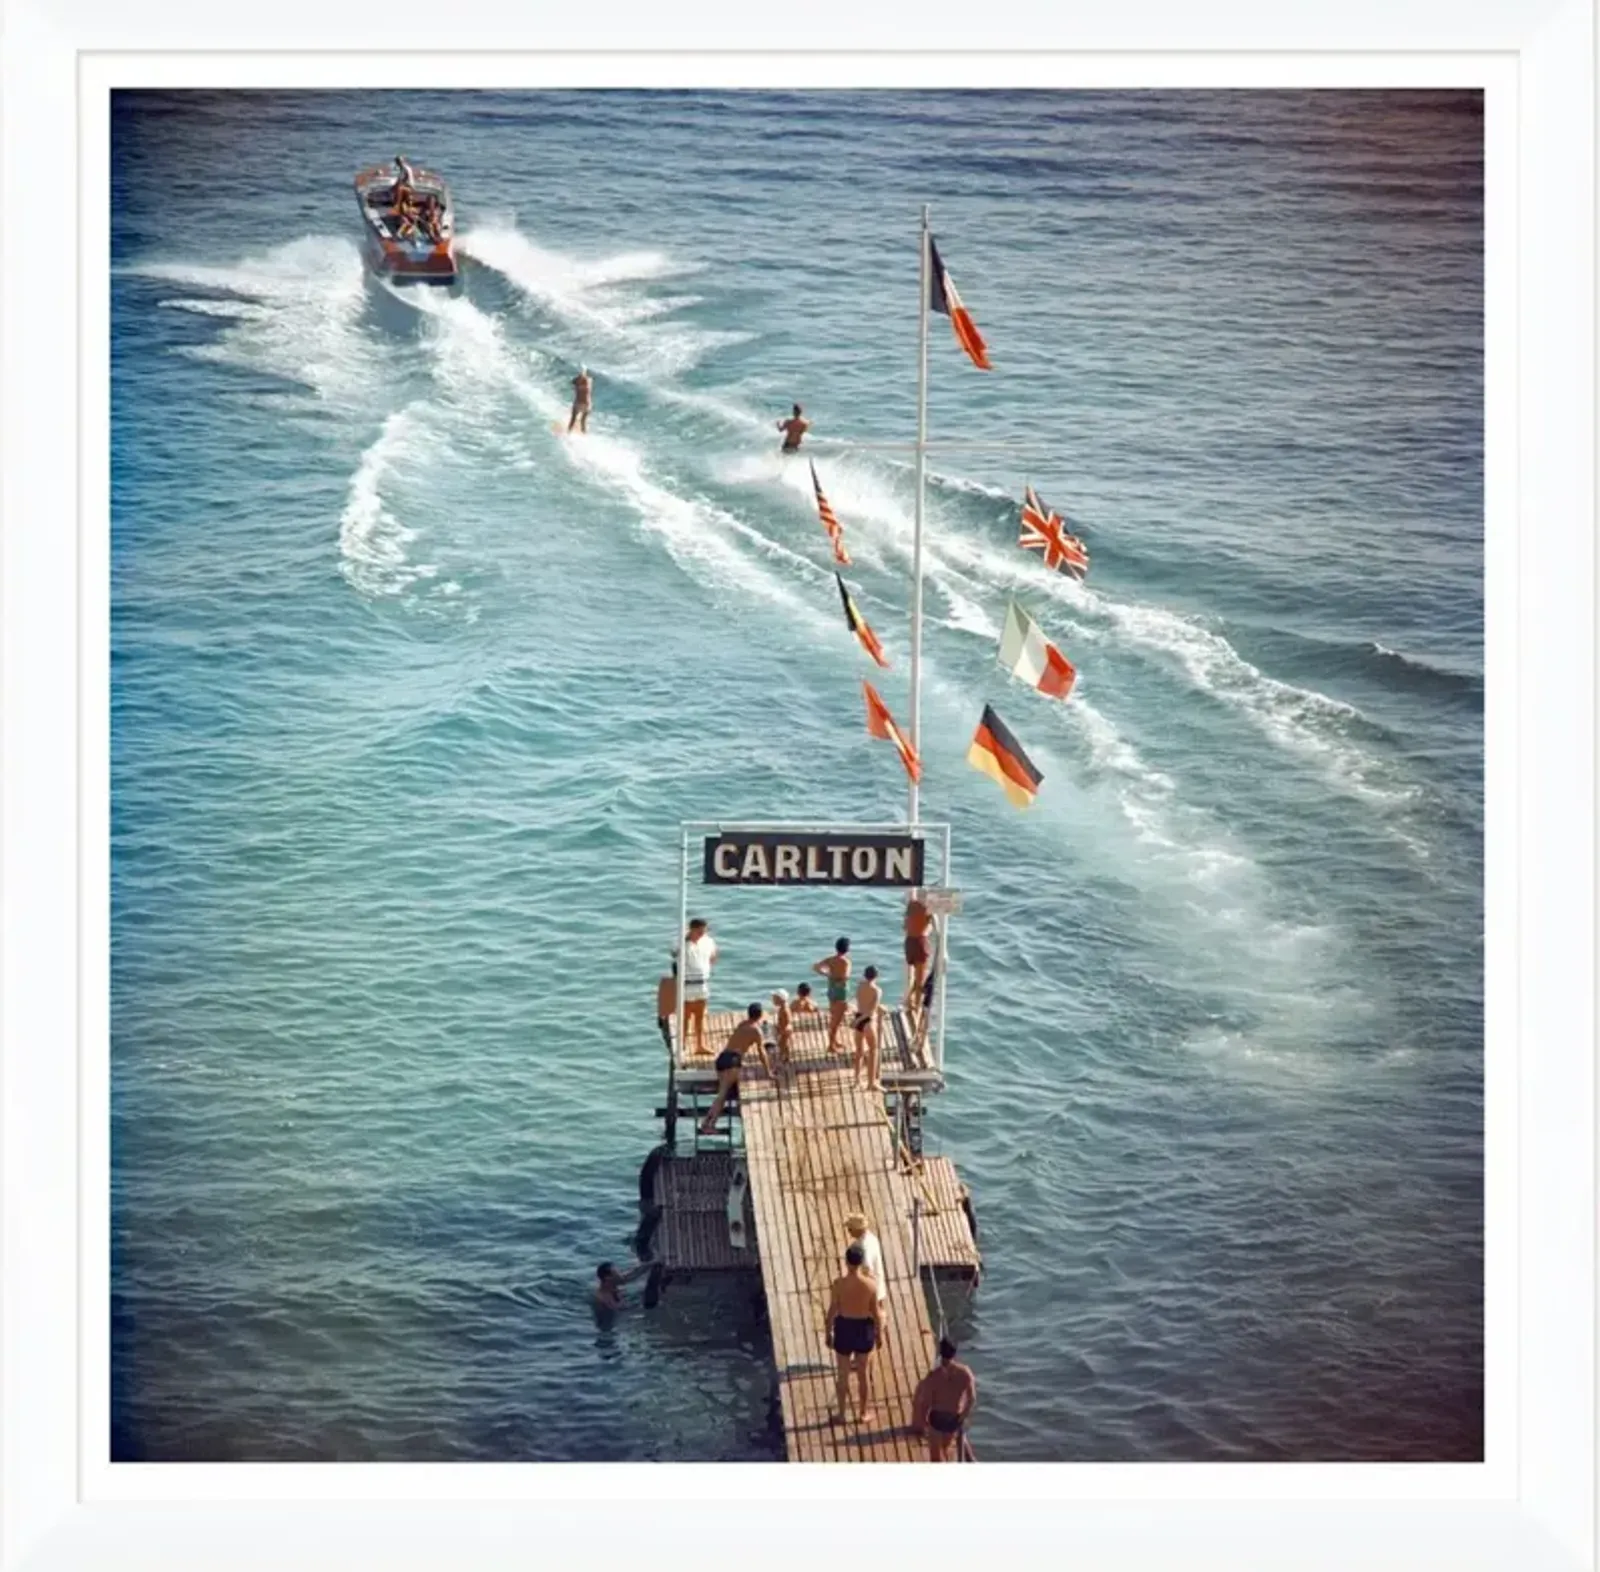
column 410, row 224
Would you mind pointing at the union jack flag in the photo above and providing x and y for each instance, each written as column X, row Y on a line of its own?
column 830, row 522
column 1046, row 532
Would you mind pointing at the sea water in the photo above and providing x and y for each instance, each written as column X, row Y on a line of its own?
column 410, row 694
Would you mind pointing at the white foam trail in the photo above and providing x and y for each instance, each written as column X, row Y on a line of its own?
column 294, row 311
column 372, row 540
column 476, row 361
column 586, row 294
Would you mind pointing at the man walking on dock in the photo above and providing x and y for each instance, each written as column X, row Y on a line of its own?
column 855, row 1328
column 872, row 1257
column 699, row 956
column 944, row 1400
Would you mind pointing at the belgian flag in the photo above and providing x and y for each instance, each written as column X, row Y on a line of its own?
column 1000, row 756
column 858, row 626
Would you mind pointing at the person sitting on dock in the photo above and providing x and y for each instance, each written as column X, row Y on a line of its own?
column 872, row 1251
column 745, row 1036
column 855, row 1328
column 608, row 1291
column 918, row 920
column 699, row 956
column 804, row 1004
column 868, row 997
column 836, row 968
column 667, row 1003
column 944, row 1400
column 794, row 429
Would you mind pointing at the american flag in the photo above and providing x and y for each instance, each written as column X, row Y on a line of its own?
column 1046, row 532
column 830, row 522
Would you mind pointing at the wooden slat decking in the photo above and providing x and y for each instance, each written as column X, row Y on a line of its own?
column 819, row 1148
column 808, row 1046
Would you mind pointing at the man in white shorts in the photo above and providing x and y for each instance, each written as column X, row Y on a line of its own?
column 699, row 956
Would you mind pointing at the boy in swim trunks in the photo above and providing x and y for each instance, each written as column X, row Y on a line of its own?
column 783, row 1024
column 944, row 1400
column 667, row 1003
column 918, row 920
column 855, row 1327
column 836, row 968
column 745, row 1036
column 868, row 997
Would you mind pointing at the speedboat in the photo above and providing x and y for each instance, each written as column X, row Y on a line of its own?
column 410, row 224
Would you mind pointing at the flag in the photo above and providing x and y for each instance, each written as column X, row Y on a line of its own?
column 1045, row 531
column 858, row 626
column 830, row 522
column 999, row 755
column 1029, row 656
column 881, row 724
column 942, row 297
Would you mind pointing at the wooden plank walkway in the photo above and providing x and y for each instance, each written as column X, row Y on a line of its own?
column 819, row 1148
column 898, row 1050
column 691, row 1196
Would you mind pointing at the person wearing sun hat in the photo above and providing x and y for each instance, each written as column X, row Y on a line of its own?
column 856, row 1226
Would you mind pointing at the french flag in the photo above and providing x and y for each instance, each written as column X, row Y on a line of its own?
column 1031, row 658
column 942, row 297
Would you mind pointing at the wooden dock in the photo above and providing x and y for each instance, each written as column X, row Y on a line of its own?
column 817, row 1146
column 819, row 1149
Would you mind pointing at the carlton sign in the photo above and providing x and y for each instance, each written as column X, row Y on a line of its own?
column 778, row 858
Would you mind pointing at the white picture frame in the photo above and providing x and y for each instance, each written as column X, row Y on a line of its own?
column 1529, row 1505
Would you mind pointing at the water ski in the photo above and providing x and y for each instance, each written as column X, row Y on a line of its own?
column 738, row 1185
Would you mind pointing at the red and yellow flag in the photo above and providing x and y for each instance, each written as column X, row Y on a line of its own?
column 881, row 724
column 830, row 522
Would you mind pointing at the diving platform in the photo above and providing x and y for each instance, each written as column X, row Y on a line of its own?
column 764, row 1194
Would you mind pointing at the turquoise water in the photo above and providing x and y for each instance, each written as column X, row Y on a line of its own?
column 409, row 695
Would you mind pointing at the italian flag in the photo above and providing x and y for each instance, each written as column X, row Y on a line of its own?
column 1029, row 656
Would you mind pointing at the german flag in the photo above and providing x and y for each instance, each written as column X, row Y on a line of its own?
column 999, row 755
column 881, row 724
column 858, row 626
column 942, row 297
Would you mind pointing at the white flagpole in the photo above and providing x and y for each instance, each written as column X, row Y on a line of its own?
column 916, row 542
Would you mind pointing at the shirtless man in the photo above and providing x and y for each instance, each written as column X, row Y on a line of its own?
column 804, row 1004
column 872, row 1256
column 918, row 920
column 667, row 1003
column 945, row 1396
column 868, row 997
column 745, row 1036
column 855, row 1328
column 836, row 968
column 793, row 429
column 582, row 400
column 608, row 1291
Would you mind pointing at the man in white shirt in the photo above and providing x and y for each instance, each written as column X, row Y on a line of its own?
column 856, row 1226
column 699, row 956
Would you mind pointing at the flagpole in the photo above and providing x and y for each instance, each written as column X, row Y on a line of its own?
column 916, row 539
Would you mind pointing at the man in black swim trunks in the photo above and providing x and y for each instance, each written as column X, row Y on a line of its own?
column 745, row 1036
column 944, row 1399
column 793, row 429
column 855, row 1328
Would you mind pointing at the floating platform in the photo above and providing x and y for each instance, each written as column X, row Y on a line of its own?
column 816, row 1146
